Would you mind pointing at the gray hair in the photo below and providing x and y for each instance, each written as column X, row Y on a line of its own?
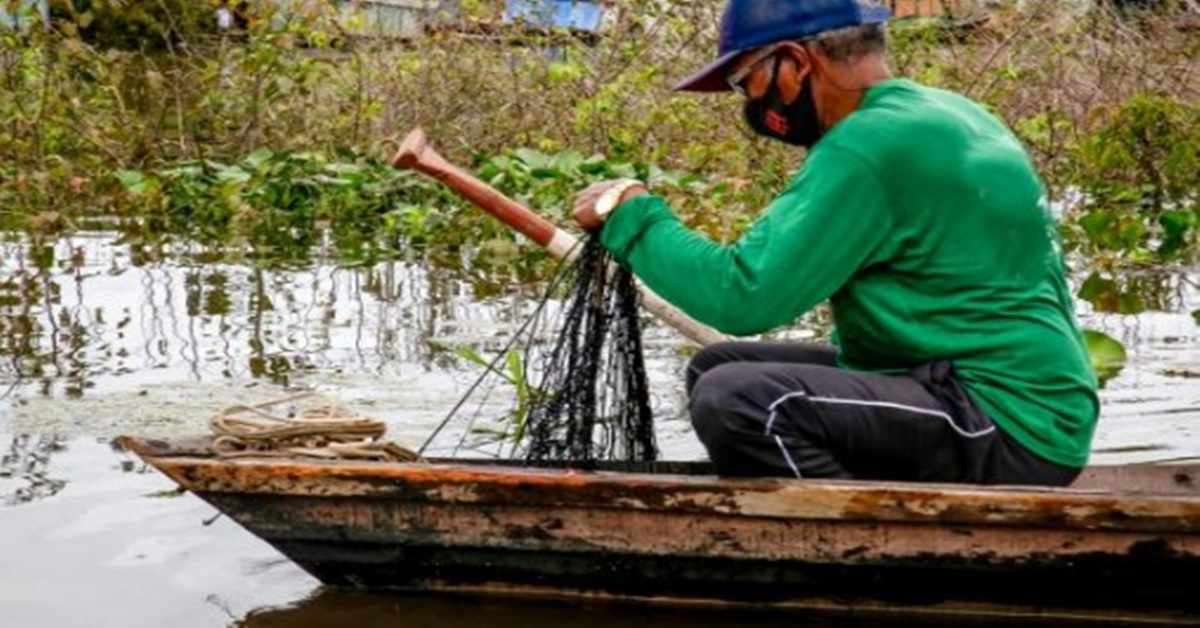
column 852, row 42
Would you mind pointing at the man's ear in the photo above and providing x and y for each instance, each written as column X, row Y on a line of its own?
column 794, row 64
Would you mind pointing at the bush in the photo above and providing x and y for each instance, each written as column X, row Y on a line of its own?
column 1140, row 169
column 138, row 25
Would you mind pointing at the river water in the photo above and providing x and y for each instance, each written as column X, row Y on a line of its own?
column 99, row 338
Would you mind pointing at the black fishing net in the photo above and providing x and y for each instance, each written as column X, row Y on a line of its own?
column 594, row 400
column 587, row 398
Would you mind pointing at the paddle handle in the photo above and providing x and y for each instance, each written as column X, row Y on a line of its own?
column 415, row 153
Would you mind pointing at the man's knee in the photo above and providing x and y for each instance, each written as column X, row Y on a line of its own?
column 715, row 417
column 705, row 360
column 719, row 401
column 729, row 409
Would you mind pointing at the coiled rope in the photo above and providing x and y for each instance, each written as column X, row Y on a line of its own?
column 325, row 430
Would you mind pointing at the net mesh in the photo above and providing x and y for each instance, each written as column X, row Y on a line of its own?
column 594, row 397
column 588, row 398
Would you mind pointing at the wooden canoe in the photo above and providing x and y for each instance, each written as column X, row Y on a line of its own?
column 1122, row 544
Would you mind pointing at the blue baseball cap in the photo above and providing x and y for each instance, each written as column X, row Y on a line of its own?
column 749, row 24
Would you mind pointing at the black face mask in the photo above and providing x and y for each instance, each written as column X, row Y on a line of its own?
column 794, row 123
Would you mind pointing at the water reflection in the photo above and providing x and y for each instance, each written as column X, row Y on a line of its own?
column 331, row 608
column 1136, row 292
column 100, row 336
column 25, row 469
column 84, row 312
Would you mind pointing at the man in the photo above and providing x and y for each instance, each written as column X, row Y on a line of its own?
column 919, row 216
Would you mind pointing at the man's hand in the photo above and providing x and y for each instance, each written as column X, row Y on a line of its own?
column 589, row 215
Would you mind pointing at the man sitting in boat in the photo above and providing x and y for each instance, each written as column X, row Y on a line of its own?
column 919, row 216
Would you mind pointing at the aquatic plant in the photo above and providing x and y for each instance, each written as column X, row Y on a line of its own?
column 280, row 202
column 1141, row 173
column 1107, row 353
column 283, row 203
column 510, row 429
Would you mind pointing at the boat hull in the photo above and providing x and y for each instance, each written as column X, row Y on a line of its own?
column 1119, row 553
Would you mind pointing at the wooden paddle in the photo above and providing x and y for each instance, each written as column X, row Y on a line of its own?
column 416, row 154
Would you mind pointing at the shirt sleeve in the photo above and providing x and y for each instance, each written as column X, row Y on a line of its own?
column 831, row 222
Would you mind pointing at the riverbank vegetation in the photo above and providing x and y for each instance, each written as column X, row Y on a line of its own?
column 278, row 134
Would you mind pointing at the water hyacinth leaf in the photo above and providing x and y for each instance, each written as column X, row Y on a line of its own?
column 657, row 176
column 1096, row 223
column 344, row 169
column 232, row 175
column 214, row 166
column 567, row 162
column 493, row 171
column 593, row 165
column 1093, row 287
column 185, row 170
column 1176, row 224
column 134, row 182
column 564, row 71
column 258, row 158
column 1107, row 353
column 625, row 171
column 532, row 158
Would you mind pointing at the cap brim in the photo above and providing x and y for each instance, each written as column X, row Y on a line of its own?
column 710, row 78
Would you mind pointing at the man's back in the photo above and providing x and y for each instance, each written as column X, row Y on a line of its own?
column 969, row 270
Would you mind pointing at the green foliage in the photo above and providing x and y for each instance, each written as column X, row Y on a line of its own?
column 1107, row 353
column 513, row 426
column 550, row 182
column 1140, row 172
column 1129, row 292
column 284, row 200
column 150, row 26
column 49, row 143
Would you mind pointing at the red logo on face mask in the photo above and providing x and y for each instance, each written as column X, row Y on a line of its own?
column 777, row 123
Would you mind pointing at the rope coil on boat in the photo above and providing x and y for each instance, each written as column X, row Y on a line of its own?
column 325, row 430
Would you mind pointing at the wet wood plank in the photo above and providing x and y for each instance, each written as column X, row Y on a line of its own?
column 1068, row 509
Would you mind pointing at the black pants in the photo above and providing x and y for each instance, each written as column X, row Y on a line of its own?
column 766, row 409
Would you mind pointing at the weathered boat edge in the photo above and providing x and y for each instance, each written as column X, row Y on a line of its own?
column 1135, row 478
column 495, row 530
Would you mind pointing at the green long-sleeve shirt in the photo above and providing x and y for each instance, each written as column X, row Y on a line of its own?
column 921, row 219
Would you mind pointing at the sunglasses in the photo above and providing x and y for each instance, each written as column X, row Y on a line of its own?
column 737, row 79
